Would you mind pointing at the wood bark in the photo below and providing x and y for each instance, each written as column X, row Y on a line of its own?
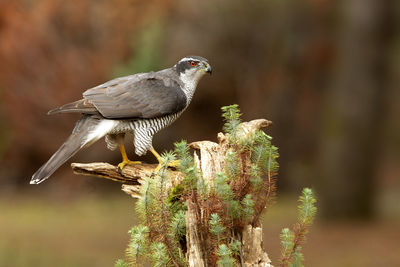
column 209, row 157
column 195, row 250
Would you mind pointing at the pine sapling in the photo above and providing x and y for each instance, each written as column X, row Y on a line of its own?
column 292, row 240
column 232, row 166
column 225, row 257
column 287, row 244
column 216, row 227
column 235, row 247
column 138, row 243
column 231, row 115
column 178, row 225
column 222, row 188
column 187, row 165
column 159, row 255
column 255, row 177
column 234, row 209
column 297, row 258
column 247, row 207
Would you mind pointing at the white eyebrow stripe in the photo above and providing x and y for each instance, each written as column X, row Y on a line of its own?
column 189, row 58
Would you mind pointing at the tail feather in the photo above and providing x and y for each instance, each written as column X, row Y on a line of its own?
column 77, row 140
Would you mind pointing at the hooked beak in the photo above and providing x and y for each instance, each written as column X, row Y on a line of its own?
column 208, row 69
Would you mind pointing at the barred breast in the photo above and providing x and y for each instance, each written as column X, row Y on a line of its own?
column 143, row 131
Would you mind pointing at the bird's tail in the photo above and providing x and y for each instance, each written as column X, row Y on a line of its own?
column 81, row 136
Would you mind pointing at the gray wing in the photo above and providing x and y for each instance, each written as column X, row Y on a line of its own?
column 145, row 95
column 80, row 106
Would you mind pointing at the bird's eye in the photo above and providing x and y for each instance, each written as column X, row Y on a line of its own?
column 193, row 63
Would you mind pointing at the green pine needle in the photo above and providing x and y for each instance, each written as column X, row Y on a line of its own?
column 235, row 247
column 120, row 263
column 225, row 259
column 182, row 152
column 178, row 224
column 159, row 255
column 307, row 209
column 247, row 206
column 264, row 154
column 231, row 115
column 291, row 240
column 222, row 188
column 234, row 209
column 216, row 227
column 187, row 165
column 167, row 157
column 138, row 242
column 286, row 242
column 232, row 165
column 255, row 177
column 297, row 258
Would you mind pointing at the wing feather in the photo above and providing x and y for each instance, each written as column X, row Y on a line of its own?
column 146, row 95
column 80, row 106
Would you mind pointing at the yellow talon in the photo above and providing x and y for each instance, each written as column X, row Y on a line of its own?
column 125, row 160
column 174, row 163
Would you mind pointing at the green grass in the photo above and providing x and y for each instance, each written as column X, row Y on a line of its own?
column 88, row 231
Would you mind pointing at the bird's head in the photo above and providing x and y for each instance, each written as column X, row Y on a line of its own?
column 192, row 68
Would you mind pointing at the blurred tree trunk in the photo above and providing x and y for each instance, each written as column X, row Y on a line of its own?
column 351, row 121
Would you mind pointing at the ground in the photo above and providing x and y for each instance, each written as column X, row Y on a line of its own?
column 91, row 230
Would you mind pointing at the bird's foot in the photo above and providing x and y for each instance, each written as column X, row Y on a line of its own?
column 173, row 164
column 126, row 162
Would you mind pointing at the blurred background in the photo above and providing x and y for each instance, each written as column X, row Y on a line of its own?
column 325, row 72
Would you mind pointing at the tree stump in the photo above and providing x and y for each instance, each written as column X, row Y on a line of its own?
column 210, row 159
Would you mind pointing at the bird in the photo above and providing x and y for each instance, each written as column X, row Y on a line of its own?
column 141, row 104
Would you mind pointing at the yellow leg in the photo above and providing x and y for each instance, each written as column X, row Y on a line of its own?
column 125, row 160
column 174, row 163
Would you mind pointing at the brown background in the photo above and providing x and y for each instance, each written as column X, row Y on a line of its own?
column 325, row 72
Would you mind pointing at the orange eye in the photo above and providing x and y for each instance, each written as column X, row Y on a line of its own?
column 193, row 63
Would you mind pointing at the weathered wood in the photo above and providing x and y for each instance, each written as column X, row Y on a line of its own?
column 253, row 253
column 195, row 253
column 131, row 174
column 210, row 159
column 131, row 178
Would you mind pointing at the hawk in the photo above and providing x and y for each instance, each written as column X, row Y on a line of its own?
column 141, row 104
